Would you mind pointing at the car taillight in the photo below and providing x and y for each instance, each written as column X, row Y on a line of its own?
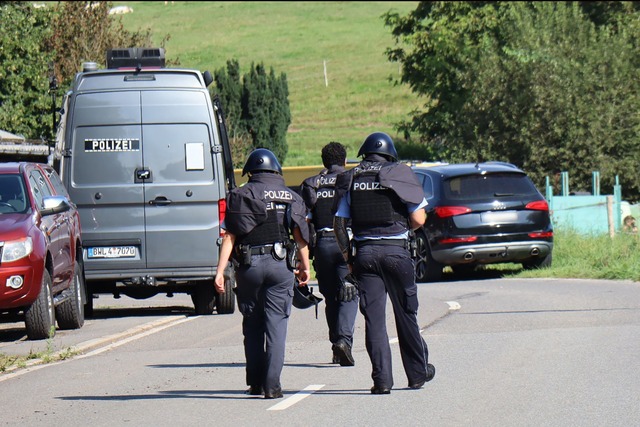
column 467, row 239
column 222, row 212
column 540, row 205
column 447, row 211
column 541, row 234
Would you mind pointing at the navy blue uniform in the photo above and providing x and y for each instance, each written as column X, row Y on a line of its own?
column 318, row 193
column 261, row 214
column 379, row 196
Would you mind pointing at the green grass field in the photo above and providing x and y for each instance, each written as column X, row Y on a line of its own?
column 298, row 39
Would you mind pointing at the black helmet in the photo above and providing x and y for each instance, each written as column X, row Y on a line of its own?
column 303, row 297
column 262, row 159
column 379, row 143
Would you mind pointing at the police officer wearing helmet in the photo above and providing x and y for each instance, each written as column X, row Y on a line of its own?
column 384, row 201
column 329, row 265
column 261, row 217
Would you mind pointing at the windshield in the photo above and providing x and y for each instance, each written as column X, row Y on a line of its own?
column 12, row 194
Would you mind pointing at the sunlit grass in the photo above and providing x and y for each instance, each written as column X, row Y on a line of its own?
column 298, row 39
column 592, row 257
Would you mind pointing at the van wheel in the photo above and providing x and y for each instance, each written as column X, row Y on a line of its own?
column 40, row 317
column 204, row 297
column 427, row 269
column 70, row 313
column 226, row 302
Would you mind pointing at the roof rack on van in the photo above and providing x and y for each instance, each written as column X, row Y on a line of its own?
column 135, row 58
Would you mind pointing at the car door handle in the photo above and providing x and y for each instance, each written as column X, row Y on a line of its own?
column 160, row 201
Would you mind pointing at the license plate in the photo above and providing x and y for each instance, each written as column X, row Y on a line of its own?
column 499, row 217
column 112, row 252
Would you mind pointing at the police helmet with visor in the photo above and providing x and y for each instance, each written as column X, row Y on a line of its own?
column 303, row 297
column 262, row 160
column 379, row 143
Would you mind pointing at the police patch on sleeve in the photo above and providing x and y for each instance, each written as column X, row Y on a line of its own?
column 111, row 144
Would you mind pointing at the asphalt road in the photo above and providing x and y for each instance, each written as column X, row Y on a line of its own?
column 507, row 352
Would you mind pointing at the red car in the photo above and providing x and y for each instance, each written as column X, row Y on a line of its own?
column 41, row 269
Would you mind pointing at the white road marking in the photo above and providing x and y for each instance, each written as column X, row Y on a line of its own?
column 135, row 337
column 302, row 394
column 453, row 305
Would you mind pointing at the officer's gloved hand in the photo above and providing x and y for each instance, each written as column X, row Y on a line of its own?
column 349, row 289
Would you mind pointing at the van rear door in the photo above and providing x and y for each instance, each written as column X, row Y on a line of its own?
column 181, row 195
column 107, row 152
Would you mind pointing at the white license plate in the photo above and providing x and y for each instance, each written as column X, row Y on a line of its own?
column 499, row 217
column 112, row 252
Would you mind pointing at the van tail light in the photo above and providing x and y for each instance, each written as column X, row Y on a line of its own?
column 541, row 234
column 466, row 239
column 539, row 205
column 222, row 212
column 447, row 211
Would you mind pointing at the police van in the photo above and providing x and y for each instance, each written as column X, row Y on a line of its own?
column 144, row 154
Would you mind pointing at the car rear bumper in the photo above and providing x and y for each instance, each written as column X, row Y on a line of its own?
column 493, row 253
column 161, row 275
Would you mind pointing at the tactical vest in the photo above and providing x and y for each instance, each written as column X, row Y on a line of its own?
column 322, row 215
column 375, row 211
column 275, row 228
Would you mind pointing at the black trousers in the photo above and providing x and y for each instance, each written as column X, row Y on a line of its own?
column 330, row 268
column 383, row 270
column 265, row 294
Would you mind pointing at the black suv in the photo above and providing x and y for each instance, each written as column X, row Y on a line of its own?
column 483, row 213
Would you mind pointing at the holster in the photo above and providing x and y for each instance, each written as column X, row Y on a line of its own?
column 243, row 254
column 413, row 244
column 292, row 252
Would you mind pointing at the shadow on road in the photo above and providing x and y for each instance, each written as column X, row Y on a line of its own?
column 120, row 312
column 480, row 273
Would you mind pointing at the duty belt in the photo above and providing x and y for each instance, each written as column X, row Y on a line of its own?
column 261, row 250
column 387, row 242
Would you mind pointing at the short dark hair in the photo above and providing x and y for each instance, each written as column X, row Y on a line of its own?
column 333, row 153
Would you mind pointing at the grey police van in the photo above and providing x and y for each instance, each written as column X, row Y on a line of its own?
column 144, row 154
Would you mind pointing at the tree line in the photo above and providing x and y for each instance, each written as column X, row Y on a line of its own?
column 548, row 86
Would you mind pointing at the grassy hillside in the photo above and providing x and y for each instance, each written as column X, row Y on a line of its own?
column 298, row 39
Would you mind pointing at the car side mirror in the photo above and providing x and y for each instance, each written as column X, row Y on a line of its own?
column 55, row 204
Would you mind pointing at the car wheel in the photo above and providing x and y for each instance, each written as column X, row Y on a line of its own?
column 70, row 313
column 204, row 297
column 226, row 302
column 427, row 269
column 532, row 264
column 40, row 317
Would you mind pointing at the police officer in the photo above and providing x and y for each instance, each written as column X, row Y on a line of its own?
column 329, row 265
column 261, row 216
column 384, row 201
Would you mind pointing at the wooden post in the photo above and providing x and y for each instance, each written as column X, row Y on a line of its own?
column 610, row 218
